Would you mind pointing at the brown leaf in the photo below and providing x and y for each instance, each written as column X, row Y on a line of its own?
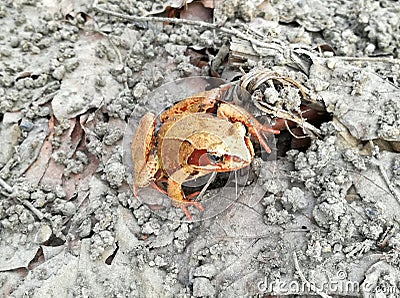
column 30, row 148
column 196, row 11
column 79, row 183
column 197, row 58
column 36, row 171
column 69, row 142
column 53, row 175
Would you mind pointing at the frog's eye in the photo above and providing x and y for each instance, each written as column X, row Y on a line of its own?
column 214, row 158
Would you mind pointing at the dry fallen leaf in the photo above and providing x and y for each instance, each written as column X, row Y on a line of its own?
column 22, row 258
column 54, row 172
column 187, row 9
column 78, row 92
column 196, row 11
column 78, row 183
column 30, row 148
column 36, row 171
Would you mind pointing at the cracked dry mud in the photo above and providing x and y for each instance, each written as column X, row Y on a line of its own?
column 321, row 220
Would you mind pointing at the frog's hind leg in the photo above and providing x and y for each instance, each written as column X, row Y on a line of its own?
column 154, row 185
column 175, row 192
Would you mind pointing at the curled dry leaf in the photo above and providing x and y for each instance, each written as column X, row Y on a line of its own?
column 78, row 91
column 259, row 80
column 36, row 171
column 30, row 148
column 54, row 171
column 21, row 258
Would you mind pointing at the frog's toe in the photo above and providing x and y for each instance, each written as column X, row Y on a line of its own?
column 135, row 190
column 185, row 204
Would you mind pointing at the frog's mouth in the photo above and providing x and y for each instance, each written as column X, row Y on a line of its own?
column 202, row 160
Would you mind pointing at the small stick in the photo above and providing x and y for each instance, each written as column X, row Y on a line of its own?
column 26, row 203
column 285, row 115
column 203, row 190
column 231, row 31
column 5, row 185
column 292, row 133
column 388, row 234
column 389, row 184
column 32, row 208
column 371, row 59
column 152, row 19
column 305, row 281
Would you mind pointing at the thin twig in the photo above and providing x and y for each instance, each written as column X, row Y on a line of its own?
column 292, row 133
column 287, row 116
column 32, row 208
column 369, row 59
column 152, row 19
column 212, row 26
column 252, row 30
column 26, row 203
column 6, row 186
column 205, row 187
column 388, row 234
column 388, row 183
column 256, row 42
column 311, row 286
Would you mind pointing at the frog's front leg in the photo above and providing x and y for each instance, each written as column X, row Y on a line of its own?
column 176, row 194
column 203, row 102
column 235, row 113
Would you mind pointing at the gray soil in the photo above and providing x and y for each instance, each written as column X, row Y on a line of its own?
column 321, row 220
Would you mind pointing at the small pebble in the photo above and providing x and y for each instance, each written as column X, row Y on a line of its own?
column 202, row 287
column 43, row 234
column 68, row 208
column 26, row 125
column 331, row 64
column 206, row 270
